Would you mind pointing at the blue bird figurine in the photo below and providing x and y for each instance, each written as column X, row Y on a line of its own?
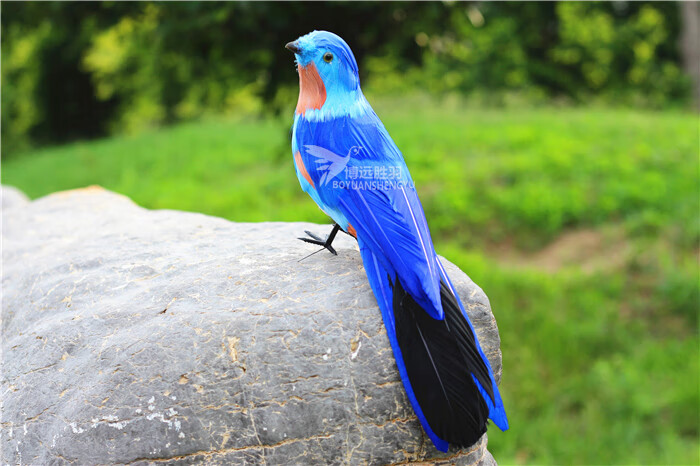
column 349, row 165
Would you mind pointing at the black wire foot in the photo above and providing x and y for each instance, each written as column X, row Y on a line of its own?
column 325, row 243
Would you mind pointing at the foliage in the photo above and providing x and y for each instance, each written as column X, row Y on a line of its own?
column 618, row 55
column 22, row 110
column 84, row 70
column 623, row 53
column 599, row 343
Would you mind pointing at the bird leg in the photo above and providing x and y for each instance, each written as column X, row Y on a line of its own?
column 325, row 243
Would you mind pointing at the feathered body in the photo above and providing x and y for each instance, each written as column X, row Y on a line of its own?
column 349, row 165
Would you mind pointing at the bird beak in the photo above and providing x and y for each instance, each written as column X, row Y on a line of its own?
column 293, row 46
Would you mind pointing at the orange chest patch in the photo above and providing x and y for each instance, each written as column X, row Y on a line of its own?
column 302, row 168
column 312, row 91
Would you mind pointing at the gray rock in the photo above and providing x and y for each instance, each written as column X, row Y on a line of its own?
column 137, row 336
column 12, row 197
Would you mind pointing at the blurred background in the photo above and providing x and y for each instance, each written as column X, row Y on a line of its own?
column 554, row 147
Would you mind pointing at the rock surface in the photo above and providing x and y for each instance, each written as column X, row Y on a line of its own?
column 137, row 336
column 12, row 197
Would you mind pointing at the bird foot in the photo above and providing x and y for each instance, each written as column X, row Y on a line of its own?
column 325, row 243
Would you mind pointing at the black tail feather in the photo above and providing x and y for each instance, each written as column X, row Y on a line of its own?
column 440, row 357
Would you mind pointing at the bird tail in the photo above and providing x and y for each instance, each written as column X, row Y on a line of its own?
column 446, row 376
column 497, row 412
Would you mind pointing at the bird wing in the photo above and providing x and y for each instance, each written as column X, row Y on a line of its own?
column 390, row 219
column 392, row 224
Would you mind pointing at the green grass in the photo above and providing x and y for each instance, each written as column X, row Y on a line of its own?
column 600, row 340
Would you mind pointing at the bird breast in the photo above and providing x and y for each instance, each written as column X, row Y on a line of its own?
column 312, row 91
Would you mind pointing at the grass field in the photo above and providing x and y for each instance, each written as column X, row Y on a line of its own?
column 581, row 225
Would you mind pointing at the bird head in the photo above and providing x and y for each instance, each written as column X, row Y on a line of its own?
column 328, row 75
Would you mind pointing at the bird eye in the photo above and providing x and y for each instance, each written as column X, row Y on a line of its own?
column 328, row 57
